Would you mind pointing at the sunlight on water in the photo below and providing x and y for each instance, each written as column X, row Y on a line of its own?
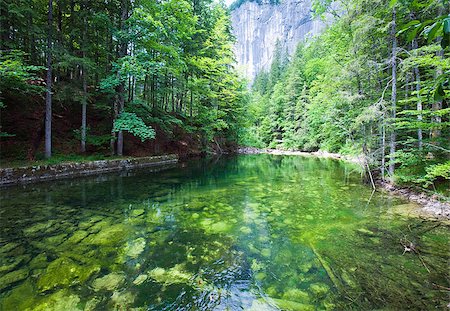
column 250, row 232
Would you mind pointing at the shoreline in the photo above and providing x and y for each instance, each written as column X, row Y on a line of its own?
column 430, row 205
column 33, row 174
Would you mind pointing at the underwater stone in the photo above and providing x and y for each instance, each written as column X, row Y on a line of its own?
column 12, row 262
column 140, row 279
column 137, row 212
column 109, row 282
column 92, row 304
column 39, row 262
column 38, row 227
column 135, row 248
column 122, row 300
column 296, row 295
column 319, row 290
column 8, row 247
column 111, row 235
column 56, row 240
column 13, row 277
column 292, row 305
column 77, row 237
column 305, row 267
column 21, row 297
column 245, row 230
column 266, row 252
column 365, row 231
column 174, row 275
column 65, row 272
column 62, row 300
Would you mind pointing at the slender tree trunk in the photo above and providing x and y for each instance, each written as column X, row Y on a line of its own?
column 121, row 88
column 48, row 97
column 419, row 100
column 84, row 81
column 394, row 94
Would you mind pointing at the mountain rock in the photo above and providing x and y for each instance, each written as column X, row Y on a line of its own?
column 259, row 25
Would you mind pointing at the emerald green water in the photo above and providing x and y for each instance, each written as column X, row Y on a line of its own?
column 253, row 232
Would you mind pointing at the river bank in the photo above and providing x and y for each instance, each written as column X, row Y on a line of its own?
column 431, row 205
column 36, row 173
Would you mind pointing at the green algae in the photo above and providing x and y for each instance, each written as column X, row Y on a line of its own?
column 13, row 277
column 65, row 272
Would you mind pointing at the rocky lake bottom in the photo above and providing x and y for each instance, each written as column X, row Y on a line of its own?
column 249, row 232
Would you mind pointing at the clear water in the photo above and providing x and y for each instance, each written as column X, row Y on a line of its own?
column 243, row 233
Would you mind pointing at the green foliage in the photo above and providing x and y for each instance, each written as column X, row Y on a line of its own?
column 335, row 93
column 167, row 63
column 131, row 123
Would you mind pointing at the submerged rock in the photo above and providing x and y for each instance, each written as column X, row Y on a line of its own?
column 288, row 305
column 111, row 235
column 140, row 279
column 122, row 300
column 21, row 297
column 174, row 275
column 62, row 300
column 65, row 272
column 296, row 295
column 319, row 290
column 135, row 248
column 108, row 282
column 39, row 227
column 77, row 237
column 13, row 277
column 9, row 264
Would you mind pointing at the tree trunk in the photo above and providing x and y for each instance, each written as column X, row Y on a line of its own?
column 121, row 88
column 419, row 100
column 48, row 97
column 394, row 94
column 84, row 103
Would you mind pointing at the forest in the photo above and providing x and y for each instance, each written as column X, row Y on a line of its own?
column 374, row 82
column 95, row 79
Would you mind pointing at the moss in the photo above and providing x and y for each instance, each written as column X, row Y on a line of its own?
column 65, row 272
column 140, row 279
column 296, row 295
column 39, row 262
column 77, row 237
column 319, row 290
column 11, row 263
column 21, row 297
column 39, row 227
column 287, row 305
column 61, row 300
column 174, row 275
column 108, row 282
column 135, row 248
column 109, row 235
column 13, row 277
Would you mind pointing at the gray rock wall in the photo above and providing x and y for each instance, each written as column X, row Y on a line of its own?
column 257, row 27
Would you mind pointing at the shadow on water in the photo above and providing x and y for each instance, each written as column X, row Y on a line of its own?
column 257, row 232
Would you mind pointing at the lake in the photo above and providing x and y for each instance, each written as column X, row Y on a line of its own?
column 250, row 232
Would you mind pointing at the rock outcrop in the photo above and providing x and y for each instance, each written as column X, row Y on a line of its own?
column 258, row 27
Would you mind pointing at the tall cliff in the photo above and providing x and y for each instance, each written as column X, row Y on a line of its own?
column 257, row 28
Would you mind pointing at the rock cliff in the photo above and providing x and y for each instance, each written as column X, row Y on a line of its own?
column 257, row 28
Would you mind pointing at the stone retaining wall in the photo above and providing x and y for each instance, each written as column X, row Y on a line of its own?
column 11, row 176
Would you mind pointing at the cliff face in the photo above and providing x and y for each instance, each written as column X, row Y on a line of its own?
column 257, row 28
